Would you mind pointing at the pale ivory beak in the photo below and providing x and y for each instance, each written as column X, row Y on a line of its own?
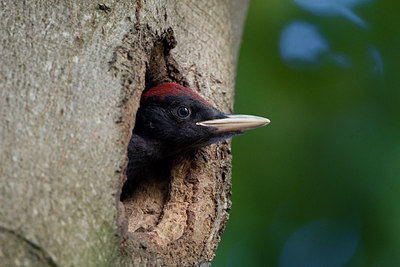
column 234, row 123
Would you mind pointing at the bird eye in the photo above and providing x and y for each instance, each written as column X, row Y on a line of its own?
column 183, row 112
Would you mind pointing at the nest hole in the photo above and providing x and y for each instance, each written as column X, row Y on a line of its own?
column 143, row 197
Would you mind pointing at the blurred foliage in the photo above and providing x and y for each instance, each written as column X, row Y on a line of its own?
column 320, row 185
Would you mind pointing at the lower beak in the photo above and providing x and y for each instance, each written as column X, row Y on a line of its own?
column 234, row 123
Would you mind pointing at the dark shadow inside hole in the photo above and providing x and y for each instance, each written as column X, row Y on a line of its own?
column 147, row 187
column 141, row 176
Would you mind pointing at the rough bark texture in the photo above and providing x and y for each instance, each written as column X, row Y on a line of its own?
column 71, row 76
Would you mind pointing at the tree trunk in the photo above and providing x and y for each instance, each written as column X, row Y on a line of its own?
column 71, row 76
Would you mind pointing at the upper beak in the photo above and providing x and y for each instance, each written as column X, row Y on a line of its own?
column 233, row 123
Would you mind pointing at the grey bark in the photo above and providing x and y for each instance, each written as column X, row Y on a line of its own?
column 71, row 75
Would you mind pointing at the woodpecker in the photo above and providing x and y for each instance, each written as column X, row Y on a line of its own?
column 172, row 120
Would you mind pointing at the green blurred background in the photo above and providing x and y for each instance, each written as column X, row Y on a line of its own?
column 320, row 185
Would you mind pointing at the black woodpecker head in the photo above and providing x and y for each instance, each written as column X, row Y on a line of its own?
column 173, row 119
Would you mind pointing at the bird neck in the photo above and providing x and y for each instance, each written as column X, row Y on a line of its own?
column 143, row 151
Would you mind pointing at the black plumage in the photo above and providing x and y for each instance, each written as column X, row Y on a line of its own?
column 172, row 120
